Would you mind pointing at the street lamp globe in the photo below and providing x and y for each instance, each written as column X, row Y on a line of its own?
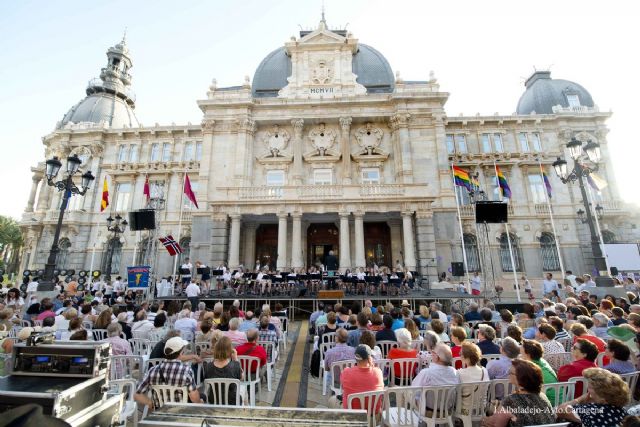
column 73, row 163
column 53, row 167
column 87, row 179
column 560, row 166
column 593, row 151
column 582, row 215
column 575, row 148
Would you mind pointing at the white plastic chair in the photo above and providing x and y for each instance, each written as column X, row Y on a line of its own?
column 272, row 357
column 404, row 410
column 150, row 363
column 561, row 391
column 370, row 401
column 99, row 334
column 417, row 344
column 251, row 379
column 407, row 368
column 442, row 402
column 202, row 346
column 578, row 381
column 600, row 359
column 632, row 381
column 140, row 346
column 490, row 357
column 167, row 394
column 200, row 369
column 328, row 337
column 500, row 388
column 126, row 366
column 130, row 407
column 471, row 402
column 336, row 369
column 386, row 346
column 285, row 326
column 87, row 325
column 384, row 366
column 218, row 391
column 567, row 343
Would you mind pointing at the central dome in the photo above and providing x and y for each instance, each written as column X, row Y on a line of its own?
column 371, row 68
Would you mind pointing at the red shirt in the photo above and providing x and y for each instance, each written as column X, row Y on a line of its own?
column 455, row 352
column 254, row 350
column 358, row 380
column 46, row 314
column 397, row 353
column 574, row 369
column 598, row 342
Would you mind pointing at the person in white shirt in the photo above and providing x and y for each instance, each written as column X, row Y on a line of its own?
column 437, row 307
column 32, row 286
column 476, row 284
column 118, row 287
column 193, row 292
column 549, row 285
column 527, row 285
column 186, row 277
column 108, row 292
column 186, row 325
column 571, row 278
column 439, row 372
column 588, row 281
column 96, row 286
column 141, row 327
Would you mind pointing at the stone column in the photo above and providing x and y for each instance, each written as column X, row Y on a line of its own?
column 219, row 238
column 244, row 151
column 298, row 174
column 345, row 140
column 282, row 241
column 345, row 249
column 359, row 226
column 409, row 244
column 234, row 241
column 402, row 147
column 250, row 245
column 426, row 243
column 35, row 180
column 296, row 241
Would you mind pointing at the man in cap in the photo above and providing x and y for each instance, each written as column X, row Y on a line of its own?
column 170, row 372
column 365, row 376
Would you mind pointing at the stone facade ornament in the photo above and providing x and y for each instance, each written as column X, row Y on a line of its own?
column 208, row 125
column 322, row 139
column 369, row 138
column 321, row 72
column 276, row 140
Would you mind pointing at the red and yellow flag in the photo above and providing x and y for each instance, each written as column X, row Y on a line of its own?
column 105, row 196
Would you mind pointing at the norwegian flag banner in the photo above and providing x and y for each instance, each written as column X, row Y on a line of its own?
column 171, row 245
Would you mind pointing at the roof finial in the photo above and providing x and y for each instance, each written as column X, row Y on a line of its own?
column 323, row 23
column 124, row 36
column 323, row 20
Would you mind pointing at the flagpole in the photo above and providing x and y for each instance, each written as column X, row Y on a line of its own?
column 464, row 252
column 553, row 224
column 175, row 261
column 135, row 247
column 595, row 215
column 506, row 227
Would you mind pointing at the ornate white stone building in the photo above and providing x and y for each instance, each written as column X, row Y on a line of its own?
column 324, row 150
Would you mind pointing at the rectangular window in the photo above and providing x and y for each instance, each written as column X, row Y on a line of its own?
column 188, row 152
column 497, row 142
column 485, row 142
column 166, row 152
column 156, row 189
column 461, row 143
column 322, row 177
column 123, row 153
column 155, row 153
column 463, row 195
column 536, row 142
column 198, row 151
column 275, row 178
column 133, row 154
column 123, row 195
column 536, row 186
column 370, row 176
column 573, row 100
column 524, row 142
column 451, row 147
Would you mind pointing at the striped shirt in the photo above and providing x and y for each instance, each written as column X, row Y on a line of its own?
column 169, row 372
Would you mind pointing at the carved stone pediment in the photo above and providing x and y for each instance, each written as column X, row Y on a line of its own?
column 274, row 161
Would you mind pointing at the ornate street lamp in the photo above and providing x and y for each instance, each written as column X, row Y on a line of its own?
column 116, row 226
column 68, row 187
column 580, row 154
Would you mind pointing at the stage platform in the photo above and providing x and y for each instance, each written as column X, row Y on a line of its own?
column 309, row 303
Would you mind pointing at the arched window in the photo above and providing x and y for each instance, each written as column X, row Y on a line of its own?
column 185, row 244
column 62, row 260
column 549, row 253
column 505, row 258
column 471, row 249
column 112, row 257
column 608, row 237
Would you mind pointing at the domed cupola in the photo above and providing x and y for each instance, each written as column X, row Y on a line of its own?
column 544, row 93
column 110, row 101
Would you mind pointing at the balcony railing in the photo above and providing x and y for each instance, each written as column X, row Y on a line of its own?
column 467, row 211
column 381, row 190
column 319, row 191
column 315, row 192
column 541, row 208
column 559, row 109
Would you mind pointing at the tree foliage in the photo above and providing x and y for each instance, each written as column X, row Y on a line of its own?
column 10, row 234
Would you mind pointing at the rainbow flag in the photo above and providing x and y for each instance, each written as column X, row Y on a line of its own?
column 502, row 183
column 596, row 181
column 461, row 178
column 547, row 184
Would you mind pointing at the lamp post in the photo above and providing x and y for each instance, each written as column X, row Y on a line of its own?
column 68, row 187
column 116, row 226
column 581, row 169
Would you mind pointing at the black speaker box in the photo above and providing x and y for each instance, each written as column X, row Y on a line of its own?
column 614, row 271
column 143, row 219
column 457, row 269
column 491, row 212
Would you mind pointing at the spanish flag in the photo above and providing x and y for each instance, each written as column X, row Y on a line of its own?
column 105, row 196
column 461, row 178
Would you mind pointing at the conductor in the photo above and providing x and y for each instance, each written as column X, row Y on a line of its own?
column 331, row 262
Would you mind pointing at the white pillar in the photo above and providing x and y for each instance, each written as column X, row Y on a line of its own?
column 345, row 250
column 282, row 241
column 35, row 180
column 359, row 226
column 234, row 242
column 296, row 241
column 409, row 244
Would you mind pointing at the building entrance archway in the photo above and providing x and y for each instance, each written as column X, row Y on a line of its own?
column 267, row 245
column 322, row 238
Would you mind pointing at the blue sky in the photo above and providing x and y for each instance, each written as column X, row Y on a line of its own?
column 481, row 53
